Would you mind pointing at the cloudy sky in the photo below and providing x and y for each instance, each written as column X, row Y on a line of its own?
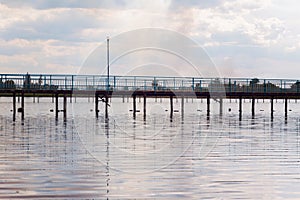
column 244, row 38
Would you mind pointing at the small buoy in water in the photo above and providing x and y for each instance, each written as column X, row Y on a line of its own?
column 229, row 109
column 91, row 110
column 20, row 109
column 290, row 109
column 10, row 110
column 51, row 110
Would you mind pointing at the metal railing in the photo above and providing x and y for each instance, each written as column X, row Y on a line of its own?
column 132, row 83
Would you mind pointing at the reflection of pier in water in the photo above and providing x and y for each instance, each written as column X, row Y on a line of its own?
column 21, row 86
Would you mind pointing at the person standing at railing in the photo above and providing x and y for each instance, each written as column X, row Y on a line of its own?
column 40, row 81
column 27, row 81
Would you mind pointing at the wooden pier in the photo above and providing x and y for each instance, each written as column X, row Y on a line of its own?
column 102, row 90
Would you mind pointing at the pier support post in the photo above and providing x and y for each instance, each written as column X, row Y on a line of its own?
column 253, row 107
column 285, row 108
column 171, row 107
column 134, row 105
column 145, row 107
column 56, row 105
column 272, row 108
column 65, row 106
column 96, row 105
column 14, row 106
column 240, row 107
column 106, row 106
column 221, row 106
column 208, row 105
column 22, row 106
column 182, row 106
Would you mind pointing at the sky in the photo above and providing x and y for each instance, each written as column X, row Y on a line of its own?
column 243, row 38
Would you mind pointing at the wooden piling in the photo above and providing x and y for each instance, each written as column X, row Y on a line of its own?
column 56, row 105
column 65, row 107
column 253, row 107
column 145, row 106
column 134, row 105
column 285, row 108
column 272, row 108
column 240, row 107
column 14, row 106
column 106, row 106
column 221, row 106
column 182, row 105
column 171, row 107
column 22, row 106
column 96, row 105
column 208, row 105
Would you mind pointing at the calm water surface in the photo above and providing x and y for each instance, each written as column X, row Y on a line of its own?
column 186, row 157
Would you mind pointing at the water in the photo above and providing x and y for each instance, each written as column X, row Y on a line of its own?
column 188, row 157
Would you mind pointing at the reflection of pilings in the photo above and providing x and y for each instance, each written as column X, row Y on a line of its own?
column 240, row 107
column 22, row 106
column 14, row 106
column 96, row 105
column 272, row 108
column 208, row 105
column 253, row 107
column 285, row 108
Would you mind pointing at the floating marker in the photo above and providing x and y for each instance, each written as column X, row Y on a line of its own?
column 229, row 109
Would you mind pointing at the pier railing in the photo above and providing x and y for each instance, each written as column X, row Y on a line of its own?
column 147, row 83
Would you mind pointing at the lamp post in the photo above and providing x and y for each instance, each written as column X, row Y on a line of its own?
column 107, row 41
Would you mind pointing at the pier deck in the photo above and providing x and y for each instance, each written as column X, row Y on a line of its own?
column 100, row 87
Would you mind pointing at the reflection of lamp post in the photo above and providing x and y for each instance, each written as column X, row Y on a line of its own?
column 107, row 40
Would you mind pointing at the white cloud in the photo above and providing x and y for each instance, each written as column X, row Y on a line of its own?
column 61, row 33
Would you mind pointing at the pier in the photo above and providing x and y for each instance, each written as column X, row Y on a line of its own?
column 103, row 88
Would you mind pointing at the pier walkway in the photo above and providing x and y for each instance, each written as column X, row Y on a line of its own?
column 103, row 88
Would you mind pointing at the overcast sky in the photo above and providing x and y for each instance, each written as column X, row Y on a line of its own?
column 244, row 38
